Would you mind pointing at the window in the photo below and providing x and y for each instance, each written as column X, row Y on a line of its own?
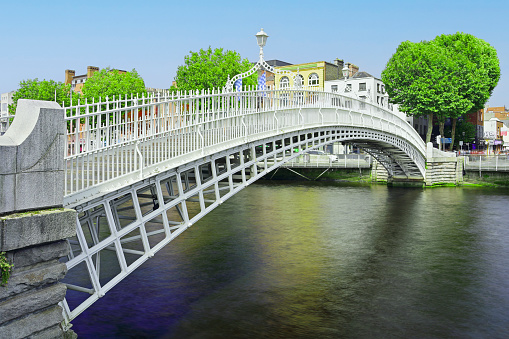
column 348, row 88
column 334, row 88
column 378, row 88
column 284, row 82
column 313, row 79
column 383, row 89
column 362, row 86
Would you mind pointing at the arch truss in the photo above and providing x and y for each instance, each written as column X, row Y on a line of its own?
column 117, row 232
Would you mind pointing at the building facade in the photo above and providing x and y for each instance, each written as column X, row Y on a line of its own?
column 477, row 119
column 493, row 135
column 269, row 76
column 312, row 74
column 364, row 86
column 5, row 101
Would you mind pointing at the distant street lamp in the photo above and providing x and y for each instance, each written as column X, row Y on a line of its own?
column 345, row 71
column 261, row 38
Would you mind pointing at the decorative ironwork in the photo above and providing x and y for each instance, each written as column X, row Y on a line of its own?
column 260, row 64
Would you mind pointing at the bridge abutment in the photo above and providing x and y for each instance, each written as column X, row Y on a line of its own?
column 33, row 223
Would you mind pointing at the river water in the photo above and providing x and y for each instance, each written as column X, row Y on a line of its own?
column 315, row 260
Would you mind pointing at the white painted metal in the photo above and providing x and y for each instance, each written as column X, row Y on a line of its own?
column 142, row 170
column 114, row 143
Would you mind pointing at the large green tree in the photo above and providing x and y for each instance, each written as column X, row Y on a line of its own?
column 209, row 69
column 36, row 89
column 112, row 83
column 441, row 78
column 477, row 67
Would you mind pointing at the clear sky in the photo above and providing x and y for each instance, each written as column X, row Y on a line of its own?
column 40, row 39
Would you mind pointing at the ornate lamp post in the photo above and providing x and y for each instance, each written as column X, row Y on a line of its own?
column 261, row 39
column 345, row 71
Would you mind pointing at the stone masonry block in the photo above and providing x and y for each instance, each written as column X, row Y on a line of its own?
column 31, row 277
column 37, row 254
column 33, row 150
column 25, row 229
column 54, row 332
column 8, row 152
column 36, row 322
column 42, row 151
column 31, row 301
column 47, row 184
column 7, row 192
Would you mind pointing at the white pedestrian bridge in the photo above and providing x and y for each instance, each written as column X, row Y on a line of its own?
column 139, row 171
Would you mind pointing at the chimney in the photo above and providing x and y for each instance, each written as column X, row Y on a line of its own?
column 69, row 74
column 353, row 69
column 339, row 62
column 91, row 70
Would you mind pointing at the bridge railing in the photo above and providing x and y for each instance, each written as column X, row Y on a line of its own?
column 114, row 138
column 479, row 162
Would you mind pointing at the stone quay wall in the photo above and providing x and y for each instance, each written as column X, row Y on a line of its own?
column 442, row 168
column 33, row 224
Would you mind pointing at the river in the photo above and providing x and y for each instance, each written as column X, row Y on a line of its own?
column 324, row 260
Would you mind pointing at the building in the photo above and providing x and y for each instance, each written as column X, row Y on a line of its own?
column 364, row 86
column 501, row 113
column 269, row 76
column 77, row 81
column 5, row 101
column 493, row 135
column 477, row 119
column 312, row 74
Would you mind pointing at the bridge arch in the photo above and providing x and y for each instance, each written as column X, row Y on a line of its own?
column 149, row 168
column 126, row 227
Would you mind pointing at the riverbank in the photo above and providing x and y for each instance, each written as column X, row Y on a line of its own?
column 363, row 175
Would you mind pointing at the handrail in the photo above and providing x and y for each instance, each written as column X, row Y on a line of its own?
column 171, row 125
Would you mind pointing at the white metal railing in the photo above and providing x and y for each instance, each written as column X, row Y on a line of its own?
column 110, row 139
column 480, row 162
column 350, row 161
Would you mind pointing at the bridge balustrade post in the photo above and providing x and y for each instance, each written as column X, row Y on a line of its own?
column 34, row 225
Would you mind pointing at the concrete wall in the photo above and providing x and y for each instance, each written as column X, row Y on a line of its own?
column 33, row 224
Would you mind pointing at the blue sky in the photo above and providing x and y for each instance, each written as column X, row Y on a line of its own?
column 40, row 39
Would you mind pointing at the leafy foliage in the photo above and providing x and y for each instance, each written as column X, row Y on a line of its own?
column 446, row 77
column 5, row 269
column 209, row 69
column 48, row 90
column 477, row 66
column 109, row 83
column 463, row 126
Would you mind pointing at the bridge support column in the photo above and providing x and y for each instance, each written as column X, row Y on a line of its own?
column 33, row 224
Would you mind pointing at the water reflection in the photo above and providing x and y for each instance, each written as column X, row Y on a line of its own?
column 324, row 260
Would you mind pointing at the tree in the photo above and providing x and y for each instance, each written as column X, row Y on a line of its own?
column 415, row 78
column 209, row 69
column 465, row 131
column 446, row 77
column 41, row 90
column 478, row 70
column 110, row 83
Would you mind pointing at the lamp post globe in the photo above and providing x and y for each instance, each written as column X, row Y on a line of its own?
column 261, row 39
column 345, row 71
